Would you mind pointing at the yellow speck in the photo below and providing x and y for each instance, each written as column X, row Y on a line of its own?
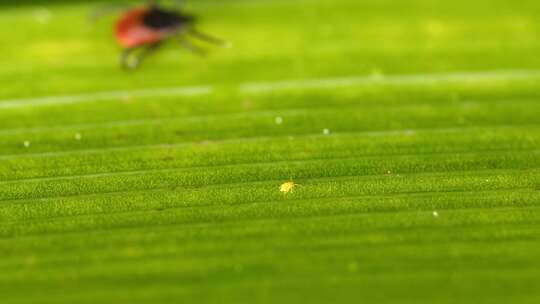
column 287, row 187
column 436, row 28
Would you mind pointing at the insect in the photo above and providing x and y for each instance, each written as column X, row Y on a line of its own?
column 142, row 30
column 288, row 187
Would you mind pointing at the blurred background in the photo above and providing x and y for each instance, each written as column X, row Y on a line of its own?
column 51, row 48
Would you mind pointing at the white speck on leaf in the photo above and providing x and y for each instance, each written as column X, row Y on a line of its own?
column 377, row 74
column 435, row 214
column 42, row 15
column 26, row 144
column 410, row 132
column 279, row 120
column 352, row 267
column 78, row 136
column 326, row 132
column 238, row 268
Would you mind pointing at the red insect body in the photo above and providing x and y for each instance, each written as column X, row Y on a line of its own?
column 132, row 32
column 141, row 30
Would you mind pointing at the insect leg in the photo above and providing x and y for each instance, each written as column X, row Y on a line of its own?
column 205, row 37
column 127, row 61
column 191, row 47
column 131, row 61
column 147, row 51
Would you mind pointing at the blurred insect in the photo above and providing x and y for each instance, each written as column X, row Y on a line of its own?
column 142, row 30
column 288, row 187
